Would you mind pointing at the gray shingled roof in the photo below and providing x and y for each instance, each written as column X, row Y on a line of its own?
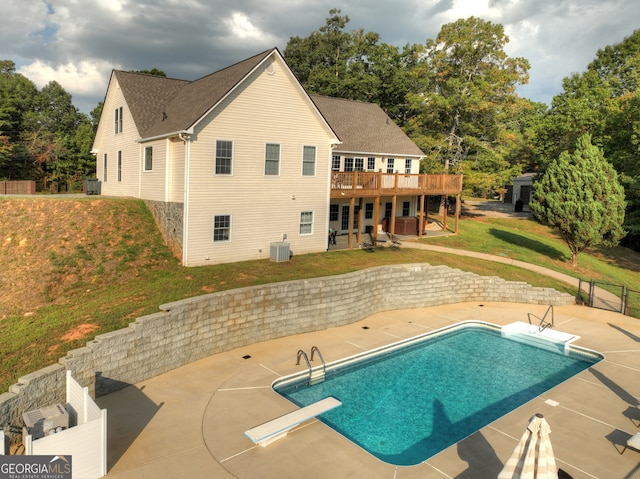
column 160, row 106
column 365, row 128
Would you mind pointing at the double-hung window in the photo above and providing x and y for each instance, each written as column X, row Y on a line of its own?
column 272, row 159
column 371, row 163
column 306, row 222
column 391, row 164
column 359, row 164
column 335, row 163
column 348, row 164
column 221, row 228
column 407, row 166
column 309, row 161
column 148, row 158
column 117, row 118
column 224, row 155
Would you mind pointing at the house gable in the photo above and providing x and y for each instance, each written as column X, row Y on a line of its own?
column 267, row 108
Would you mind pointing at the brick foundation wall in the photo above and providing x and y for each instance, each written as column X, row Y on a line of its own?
column 194, row 328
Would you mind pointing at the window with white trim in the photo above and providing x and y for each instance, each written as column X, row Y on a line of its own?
column 335, row 163
column 306, row 222
column 407, row 167
column 309, row 161
column 148, row 158
column 348, row 164
column 390, row 165
column 117, row 118
column 272, row 159
column 371, row 163
column 221, row 228
column 359, row 164
column 405, row 208
column 224, row 155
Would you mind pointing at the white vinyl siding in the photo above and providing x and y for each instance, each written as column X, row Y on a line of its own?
column 154, row 182
column 107, row 142
column 266, row 109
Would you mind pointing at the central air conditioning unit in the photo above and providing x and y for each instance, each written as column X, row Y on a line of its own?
column 280, row 251
column 46, row 420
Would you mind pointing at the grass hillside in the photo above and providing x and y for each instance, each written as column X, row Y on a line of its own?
column 73, row 268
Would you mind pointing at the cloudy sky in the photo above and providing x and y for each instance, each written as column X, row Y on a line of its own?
column 78, row 42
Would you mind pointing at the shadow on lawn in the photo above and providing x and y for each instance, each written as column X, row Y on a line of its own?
column 531, row 244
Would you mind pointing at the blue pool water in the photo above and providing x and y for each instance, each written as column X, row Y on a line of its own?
column 408, row 403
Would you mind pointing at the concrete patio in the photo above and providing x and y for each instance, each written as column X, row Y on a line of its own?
column 190, row 421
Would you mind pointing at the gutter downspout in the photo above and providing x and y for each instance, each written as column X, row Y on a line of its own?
column 185, row 137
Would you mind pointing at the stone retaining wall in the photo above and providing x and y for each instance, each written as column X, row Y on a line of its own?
column 194, row 328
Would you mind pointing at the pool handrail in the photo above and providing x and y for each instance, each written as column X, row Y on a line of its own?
column 314, row 349
column 543, row 323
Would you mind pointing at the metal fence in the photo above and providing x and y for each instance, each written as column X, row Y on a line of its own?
column 609, row 296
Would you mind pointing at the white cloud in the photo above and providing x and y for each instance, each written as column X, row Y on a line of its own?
column 78, row 42
column 86, row 78
column 241, row 27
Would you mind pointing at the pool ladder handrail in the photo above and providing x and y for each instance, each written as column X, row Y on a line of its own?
column 301, row 353
column 319, row 373
column 544, row 324
column 315, row 349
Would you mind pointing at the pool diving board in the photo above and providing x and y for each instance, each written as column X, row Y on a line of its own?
column 270, row 431
column 545, row 338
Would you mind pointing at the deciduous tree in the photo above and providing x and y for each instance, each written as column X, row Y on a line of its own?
column 468, row 96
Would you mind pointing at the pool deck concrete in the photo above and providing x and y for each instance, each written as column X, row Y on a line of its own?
column 190, row 422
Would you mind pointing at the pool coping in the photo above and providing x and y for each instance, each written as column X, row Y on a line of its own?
column 190, row 421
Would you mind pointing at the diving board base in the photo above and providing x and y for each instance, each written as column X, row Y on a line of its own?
column 546, row 338
column 277, row 428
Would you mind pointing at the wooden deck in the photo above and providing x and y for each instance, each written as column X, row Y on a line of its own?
column 359, row 184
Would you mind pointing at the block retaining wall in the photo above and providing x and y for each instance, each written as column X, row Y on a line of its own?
column 191, row 329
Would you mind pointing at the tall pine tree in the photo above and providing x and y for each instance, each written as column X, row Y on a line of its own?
column 580, row 196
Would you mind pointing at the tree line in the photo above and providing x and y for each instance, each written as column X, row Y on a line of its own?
column 43, row 137
column 455, row 96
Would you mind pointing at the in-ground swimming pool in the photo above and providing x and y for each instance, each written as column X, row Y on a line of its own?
column 408, row 401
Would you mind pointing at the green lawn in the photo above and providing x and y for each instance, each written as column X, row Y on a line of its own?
column 102, row 304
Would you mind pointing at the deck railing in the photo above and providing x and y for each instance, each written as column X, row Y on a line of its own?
column 361, row 183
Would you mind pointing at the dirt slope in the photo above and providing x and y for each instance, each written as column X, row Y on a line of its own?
column 51, row 245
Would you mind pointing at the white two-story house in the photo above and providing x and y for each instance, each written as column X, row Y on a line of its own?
column 243, row 158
